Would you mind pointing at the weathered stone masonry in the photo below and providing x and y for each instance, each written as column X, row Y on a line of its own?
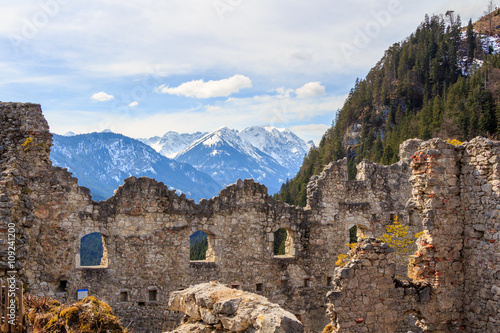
column 455, row 274
column 146, row 229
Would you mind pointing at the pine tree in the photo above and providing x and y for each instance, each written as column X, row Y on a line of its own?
column 416, row 90
column 378, row 150
column 471, row 42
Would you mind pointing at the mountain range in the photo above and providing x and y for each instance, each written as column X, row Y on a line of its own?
column 102, row 161
column 265, row 153
column 226, row 157
column 197, row 164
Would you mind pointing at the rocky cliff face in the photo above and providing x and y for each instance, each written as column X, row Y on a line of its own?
column 213, row 307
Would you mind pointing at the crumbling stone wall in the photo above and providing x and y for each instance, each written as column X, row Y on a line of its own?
column 146, row 228
column 371, row 202
column 480, row 189
column 454, row 194
column 366, row 297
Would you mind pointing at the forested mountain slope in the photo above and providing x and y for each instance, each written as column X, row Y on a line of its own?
column 442, row 81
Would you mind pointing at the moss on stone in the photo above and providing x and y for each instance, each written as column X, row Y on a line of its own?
column 87, row 316
column 70, row 314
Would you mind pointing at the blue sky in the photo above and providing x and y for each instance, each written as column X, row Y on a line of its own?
column 145, row 67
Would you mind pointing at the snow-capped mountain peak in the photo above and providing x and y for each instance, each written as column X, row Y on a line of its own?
column 101, row 161
column 266, row 153
column 171, row 143
column 226, row 157
column 220, row 135
column 281, row 144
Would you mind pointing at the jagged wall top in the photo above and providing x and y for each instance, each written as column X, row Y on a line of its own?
column 25, row 121
column 20, row 121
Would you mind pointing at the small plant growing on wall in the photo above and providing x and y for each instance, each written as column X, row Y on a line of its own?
column 398, row 238
column 455, row 142
column 27, row 144
column 342, row 258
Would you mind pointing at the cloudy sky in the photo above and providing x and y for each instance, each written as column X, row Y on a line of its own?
column 144, row 67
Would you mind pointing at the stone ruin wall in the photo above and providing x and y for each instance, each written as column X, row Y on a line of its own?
column 454, row 275
column 480, row 188
column 146, row 229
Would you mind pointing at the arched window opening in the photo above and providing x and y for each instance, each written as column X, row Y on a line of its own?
column 93, row 250
column 355, row 232
column 283, row 243
column 201, row 246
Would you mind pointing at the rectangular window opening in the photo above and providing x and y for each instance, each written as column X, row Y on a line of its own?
column 410, row 218
column 235, row 286
column 328, row 280
column 141, row 303
column 152, row 295
column 259, row 287
column 63, row 286
column 123, row 296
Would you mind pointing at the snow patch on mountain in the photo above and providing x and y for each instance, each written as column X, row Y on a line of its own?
column 170, row 144
column 281, row 144
column 489, row 44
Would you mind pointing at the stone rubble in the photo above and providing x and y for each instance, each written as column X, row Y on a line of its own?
column 213, row 307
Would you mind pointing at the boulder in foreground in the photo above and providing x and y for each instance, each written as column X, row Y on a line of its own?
column 213, row 307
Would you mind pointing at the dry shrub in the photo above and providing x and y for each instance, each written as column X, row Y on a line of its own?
column 90, row 315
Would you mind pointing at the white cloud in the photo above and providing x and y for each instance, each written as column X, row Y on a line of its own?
column 298, row 50
column 311, row 89
column 102, row 97
column 237, row 113
column 284, row 93
column 202, row 89
column 133, row 104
